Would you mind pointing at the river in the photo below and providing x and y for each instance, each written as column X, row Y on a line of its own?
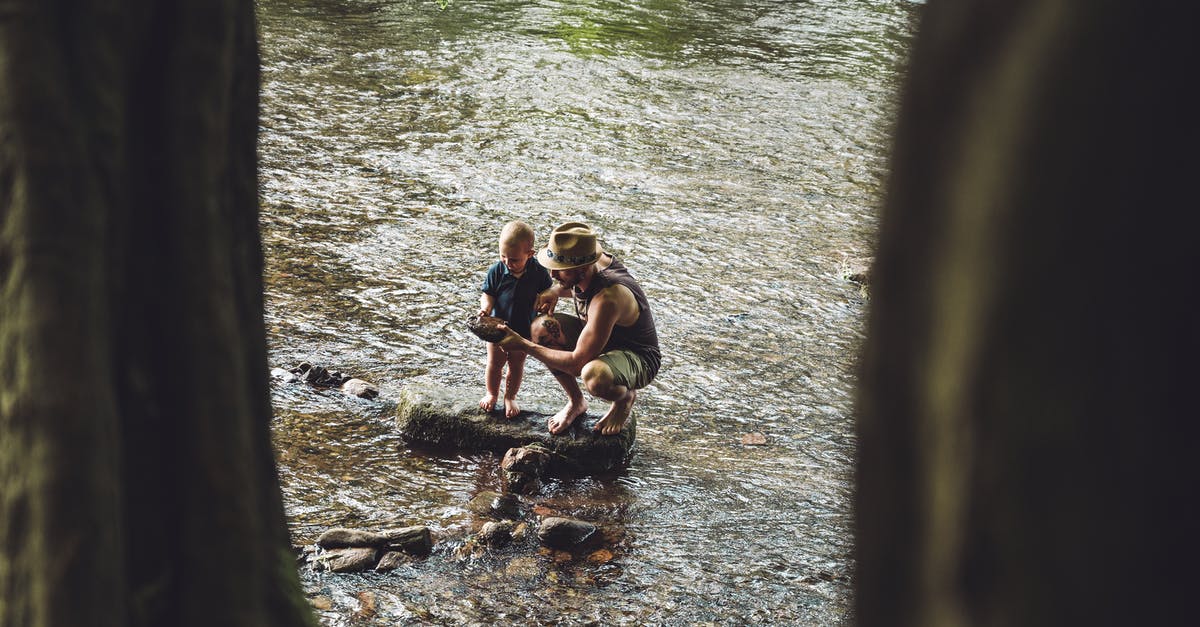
column 732, row 153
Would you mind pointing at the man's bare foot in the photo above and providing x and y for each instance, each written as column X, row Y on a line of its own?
column 488, row 403
column 613, row 421
column 511, row 408
column 561, row 421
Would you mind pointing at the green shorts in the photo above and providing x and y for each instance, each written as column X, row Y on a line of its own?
column 628, row 368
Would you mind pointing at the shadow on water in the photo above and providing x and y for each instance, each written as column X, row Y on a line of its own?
column 732, row 153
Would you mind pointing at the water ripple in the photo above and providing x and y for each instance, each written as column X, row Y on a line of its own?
column 732, row 154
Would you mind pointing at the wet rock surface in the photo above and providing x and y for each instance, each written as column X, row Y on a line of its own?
column 565, row 533
column 351, row 559
column 360, row 388
column 416, row 539
column 392, row 560
column 523, row 467
column 342, row 550
column 494, row 505
column 531, row 459
column 496, row 533
column 319, row 376
column 450, row 418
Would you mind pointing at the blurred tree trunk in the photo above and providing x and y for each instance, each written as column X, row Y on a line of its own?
column 1027, row 427
column 137, row 478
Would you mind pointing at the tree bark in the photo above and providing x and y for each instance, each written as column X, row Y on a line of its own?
column 1026, row 425
column 137, row 478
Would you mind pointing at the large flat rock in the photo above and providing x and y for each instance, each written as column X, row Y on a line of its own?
column 449, row 418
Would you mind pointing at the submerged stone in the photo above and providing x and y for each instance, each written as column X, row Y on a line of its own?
column 441, row 417
column 600, row 556
column 494, row 505
column 565, row 533
column 521, row 483
column 497, row 533
column 524, row 567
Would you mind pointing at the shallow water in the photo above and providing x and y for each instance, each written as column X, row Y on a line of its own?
column 731, row 153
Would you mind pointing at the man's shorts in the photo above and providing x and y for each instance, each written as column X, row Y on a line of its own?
column 628, row 368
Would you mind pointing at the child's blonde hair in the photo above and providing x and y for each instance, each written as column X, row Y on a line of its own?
column 517, row 232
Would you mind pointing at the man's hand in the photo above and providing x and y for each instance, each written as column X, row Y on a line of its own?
column 546, row 301
column 512, row 341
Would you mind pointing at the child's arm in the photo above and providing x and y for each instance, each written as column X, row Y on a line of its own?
column 486, row 302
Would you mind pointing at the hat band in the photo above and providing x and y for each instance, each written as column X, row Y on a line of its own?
column 570, row 259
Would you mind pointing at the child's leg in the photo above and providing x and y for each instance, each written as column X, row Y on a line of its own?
column 512, row 383
column 491, row 377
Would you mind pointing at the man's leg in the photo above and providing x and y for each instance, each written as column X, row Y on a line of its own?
column 560, row 331
column 602, row 382
column 576, row 405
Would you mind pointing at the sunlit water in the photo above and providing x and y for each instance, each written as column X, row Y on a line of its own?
column 731, row 153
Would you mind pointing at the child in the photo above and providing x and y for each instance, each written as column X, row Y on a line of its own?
column 509, row 292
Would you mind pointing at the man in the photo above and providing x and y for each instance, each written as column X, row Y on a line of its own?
column 610, row 343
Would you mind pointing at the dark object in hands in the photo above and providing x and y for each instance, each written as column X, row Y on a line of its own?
column 486, row 327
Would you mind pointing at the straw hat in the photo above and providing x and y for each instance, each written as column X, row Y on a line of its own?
column 571, row 245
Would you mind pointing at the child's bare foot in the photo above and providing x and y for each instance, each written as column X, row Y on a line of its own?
column 488, row 403
column 613, row 421
column 511, row 408
column 561, row 421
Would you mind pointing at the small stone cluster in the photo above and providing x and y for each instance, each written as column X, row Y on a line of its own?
column 342, row 550
column 523, row 468
column 555, row 533
column 321, row 377
column 506, row 522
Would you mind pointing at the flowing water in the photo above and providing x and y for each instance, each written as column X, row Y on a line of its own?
column 731, row 152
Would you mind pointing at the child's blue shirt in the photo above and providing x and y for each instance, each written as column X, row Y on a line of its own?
column 514, row 296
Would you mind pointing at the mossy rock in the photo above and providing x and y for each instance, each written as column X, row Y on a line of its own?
column 448, row 418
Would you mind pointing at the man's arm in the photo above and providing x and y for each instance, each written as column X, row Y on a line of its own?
column 548, row 298
column 603, row 313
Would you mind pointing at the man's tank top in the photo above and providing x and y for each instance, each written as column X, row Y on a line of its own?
column 641, row 337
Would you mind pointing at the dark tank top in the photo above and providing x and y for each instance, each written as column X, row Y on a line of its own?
column 640, row 337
